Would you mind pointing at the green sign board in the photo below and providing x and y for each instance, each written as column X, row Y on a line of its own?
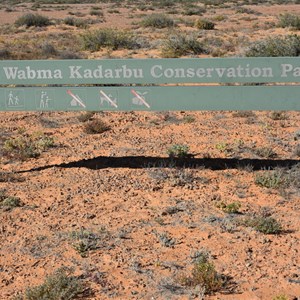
column 151, row 84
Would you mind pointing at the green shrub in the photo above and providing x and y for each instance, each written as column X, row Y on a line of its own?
column 203, row 275
column 266, row 225
column 158, row 21
column 29, row 20
column 27, row 146
column 60, row 285
column 289, row 20
column 270, row 179
column 9, row 201
column 180, row 44
column 275, row 46
column 204, row 24
column 179, row 151
column 111, row 38
column 231, row 208
column 76, row 22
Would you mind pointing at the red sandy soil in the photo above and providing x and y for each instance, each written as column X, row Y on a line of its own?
column 115, row 186
column 146, row 216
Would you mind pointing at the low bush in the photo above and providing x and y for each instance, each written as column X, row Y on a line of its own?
column 204, row 24
column 270, row 179
column 191, row 10
column 27, row 146
column 29, row 20
column 158, row 21
column 60, row 285
column 289, row 20
column 95, row 126
column 9, row 201
column 275, row 46
column 5, row 54
column 87, row 116
column 204, row 275
column 180, row 44
column 179, row 151
column 96, row 12
column 76, row 22
column 231, row 208
column 266, row 225
column 112, row 38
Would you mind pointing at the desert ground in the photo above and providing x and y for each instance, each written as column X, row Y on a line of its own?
column 148, row 205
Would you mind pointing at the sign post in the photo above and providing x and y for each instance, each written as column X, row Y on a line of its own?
column 151, row 84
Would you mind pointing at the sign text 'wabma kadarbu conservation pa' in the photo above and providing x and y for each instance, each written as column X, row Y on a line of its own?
column 148, row 84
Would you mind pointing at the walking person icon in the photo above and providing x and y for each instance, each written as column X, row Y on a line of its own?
column 11, row 99
column 15, row 98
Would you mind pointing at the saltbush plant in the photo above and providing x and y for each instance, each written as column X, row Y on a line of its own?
column 270, row 179
column 9, row 202
column 266, row 225
column 27, row 146
column 95, row 126
column 179, row 151
column 60, row 285
column 180, row 44
column 205, row 275
column 158, row 21
column 204, row 24
column 111, row 38
column 275, row 46
column 289, row 20
column 30, row 19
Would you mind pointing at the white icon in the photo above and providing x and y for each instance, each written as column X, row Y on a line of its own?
column 139, row 98
column 44, row 100
column 13, row 100
column 108, row 99
column 75, row 100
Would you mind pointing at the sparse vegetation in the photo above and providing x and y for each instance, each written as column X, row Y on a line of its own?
column 289, row 20
column 158, row 21
column 27, row 146
column 204, row 24
column 95, row 126
column 87, row 116
column 231, row 208
column 266, row 225
column 270, row 179
column 80, row 23
column 9, row 202
column 111, row 38
column 205, row 275
column 194, row 10
column 60, row 285
column 160, row 205
column 29, row 20
column 265, row 152
column 275, row 46
column 278, row 115
column 179, row 45
column 179, row 151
